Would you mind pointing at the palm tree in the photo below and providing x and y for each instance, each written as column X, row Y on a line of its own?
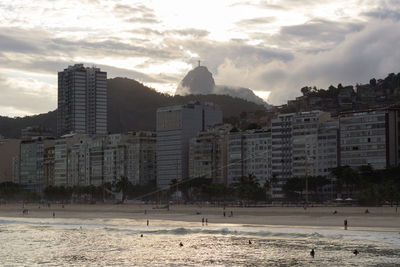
column 124, row 185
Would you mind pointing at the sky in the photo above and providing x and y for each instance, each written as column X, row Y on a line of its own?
column 273, row 47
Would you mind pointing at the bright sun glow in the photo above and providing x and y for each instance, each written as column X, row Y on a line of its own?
column 263, row 94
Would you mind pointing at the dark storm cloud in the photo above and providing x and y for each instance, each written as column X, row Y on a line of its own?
column 384, row 14
column 320, row 30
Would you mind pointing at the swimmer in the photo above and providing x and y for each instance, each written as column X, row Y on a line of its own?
column 249, row 242
column 181, row 244
column 355, row 252
column 312, row 253
column 141, row 235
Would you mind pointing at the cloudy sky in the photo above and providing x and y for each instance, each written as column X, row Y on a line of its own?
column 273, row 46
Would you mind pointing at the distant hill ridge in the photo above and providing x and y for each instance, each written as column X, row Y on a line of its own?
column 131, row 106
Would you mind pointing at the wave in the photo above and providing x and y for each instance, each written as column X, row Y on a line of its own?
column 215, row 231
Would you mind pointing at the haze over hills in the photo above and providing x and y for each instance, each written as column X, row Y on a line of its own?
column 131, row 106
column 200, row 81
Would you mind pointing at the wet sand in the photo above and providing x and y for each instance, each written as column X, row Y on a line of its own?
column 378, row 218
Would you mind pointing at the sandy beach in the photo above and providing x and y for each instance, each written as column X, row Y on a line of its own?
column 378, row 218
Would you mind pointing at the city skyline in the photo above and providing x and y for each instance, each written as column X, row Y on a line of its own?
column 275, row 46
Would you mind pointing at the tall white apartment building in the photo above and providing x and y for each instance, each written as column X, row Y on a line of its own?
column 295, row 147
column 71, row 160
column 82, row 101
column 281, row 157
column 249, row 153
column 176, row 125
column 370, row 137
column 305, row 142
column 208, row 154
column 132, row 155
column 328, row 147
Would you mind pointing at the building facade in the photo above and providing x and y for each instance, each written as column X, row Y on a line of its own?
column 370, row 138
column 31, row 164
column 82, row 101
column 175, row 127
column 249, row 153
column 208, row 154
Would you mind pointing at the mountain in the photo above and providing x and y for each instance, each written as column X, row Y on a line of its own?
column 200, row 81
column 132, row 106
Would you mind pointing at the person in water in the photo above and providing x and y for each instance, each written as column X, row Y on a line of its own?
column 181, row 244
column 345, row 224
column 249, row 242
column 355, row 252
column 312, row 253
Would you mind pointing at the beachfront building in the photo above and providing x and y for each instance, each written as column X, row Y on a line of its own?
column 94, row 160
column 208, row 154
column 141, row 157
column 327, row 150
column 82, row 101
column 249, row 153
column 370, row 137
column 176, row 125
column 9, row 151
column 281, row 156
column 48, row 166
column 305, row 142
column 71, row 160
column 132, row 155
column 31, row 164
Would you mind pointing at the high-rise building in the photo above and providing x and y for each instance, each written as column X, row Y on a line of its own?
column 176, row 125
column 82, row 101
column 208, row 154
column 249, row 153
column 31, row 164
column 370, row 137
column 295, row 146
column 281, row 159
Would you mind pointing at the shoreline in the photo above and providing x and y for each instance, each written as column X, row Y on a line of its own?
column 382, row 218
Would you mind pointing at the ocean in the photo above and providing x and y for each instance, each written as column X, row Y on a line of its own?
column 118, row 242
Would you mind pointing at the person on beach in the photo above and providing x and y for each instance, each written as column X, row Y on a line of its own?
column 335, row 212
column 181, row 244
column 147, row 222
column 366, row 211
column 312, row 253
column 224, row 214
column 206, row 221
column 249, row 242
column 202, row 221
column 345, row 224
column 54, row 214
